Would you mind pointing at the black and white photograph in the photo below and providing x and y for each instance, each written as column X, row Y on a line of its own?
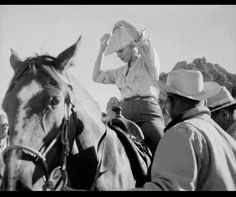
column 117, row 97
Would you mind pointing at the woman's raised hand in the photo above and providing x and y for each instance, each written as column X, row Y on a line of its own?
column 104, row 41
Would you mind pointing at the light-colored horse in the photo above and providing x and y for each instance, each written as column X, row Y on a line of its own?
column 56, row 131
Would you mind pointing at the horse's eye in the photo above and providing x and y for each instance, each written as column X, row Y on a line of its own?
column 54, row 101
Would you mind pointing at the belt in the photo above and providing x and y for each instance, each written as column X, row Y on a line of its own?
column 139, row 98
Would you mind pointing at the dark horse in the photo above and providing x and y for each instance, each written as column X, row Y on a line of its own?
column 56, row 135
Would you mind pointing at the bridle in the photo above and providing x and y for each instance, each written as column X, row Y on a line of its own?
column 40, row 155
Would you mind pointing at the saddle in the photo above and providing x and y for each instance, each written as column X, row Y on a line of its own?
column 132, row 138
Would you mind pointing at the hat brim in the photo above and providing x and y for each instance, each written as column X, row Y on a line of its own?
column 210, row 89
column 119, row 40
column 233, row 104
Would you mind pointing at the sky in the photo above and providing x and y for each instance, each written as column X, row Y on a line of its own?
column 178, row 32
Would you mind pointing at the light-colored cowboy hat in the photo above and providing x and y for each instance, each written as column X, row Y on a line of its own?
column 189, row 84
column 221, row 100
column 120, row 38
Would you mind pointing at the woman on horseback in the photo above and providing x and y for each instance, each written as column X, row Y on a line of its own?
column 136, row 80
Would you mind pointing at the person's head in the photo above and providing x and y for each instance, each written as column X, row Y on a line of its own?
column 178, row 105
column 122, row 42
column 186, row 90
column 223, row 108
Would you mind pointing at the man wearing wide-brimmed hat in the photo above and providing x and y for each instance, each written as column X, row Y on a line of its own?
column 223, row 110
column 136, row 80
column 195, row 154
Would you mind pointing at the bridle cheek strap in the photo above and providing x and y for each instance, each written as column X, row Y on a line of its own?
column 65, row 150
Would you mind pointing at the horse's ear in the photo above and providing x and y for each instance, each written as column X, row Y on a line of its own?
column 14, row 60
column 65, row 58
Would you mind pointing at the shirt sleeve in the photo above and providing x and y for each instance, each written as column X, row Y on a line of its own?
column 151, row 58
column 107, row 77
column 175, row 162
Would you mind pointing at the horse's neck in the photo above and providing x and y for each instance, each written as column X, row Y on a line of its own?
column 83, row 97
column 87, row 110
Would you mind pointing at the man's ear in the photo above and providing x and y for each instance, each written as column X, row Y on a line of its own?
column 225, row 114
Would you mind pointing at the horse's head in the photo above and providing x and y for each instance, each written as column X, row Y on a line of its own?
column 39, row 109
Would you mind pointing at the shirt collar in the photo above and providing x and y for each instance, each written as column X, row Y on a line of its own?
column 195, row 111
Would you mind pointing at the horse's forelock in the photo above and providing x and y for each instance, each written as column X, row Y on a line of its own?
column 37, row 60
